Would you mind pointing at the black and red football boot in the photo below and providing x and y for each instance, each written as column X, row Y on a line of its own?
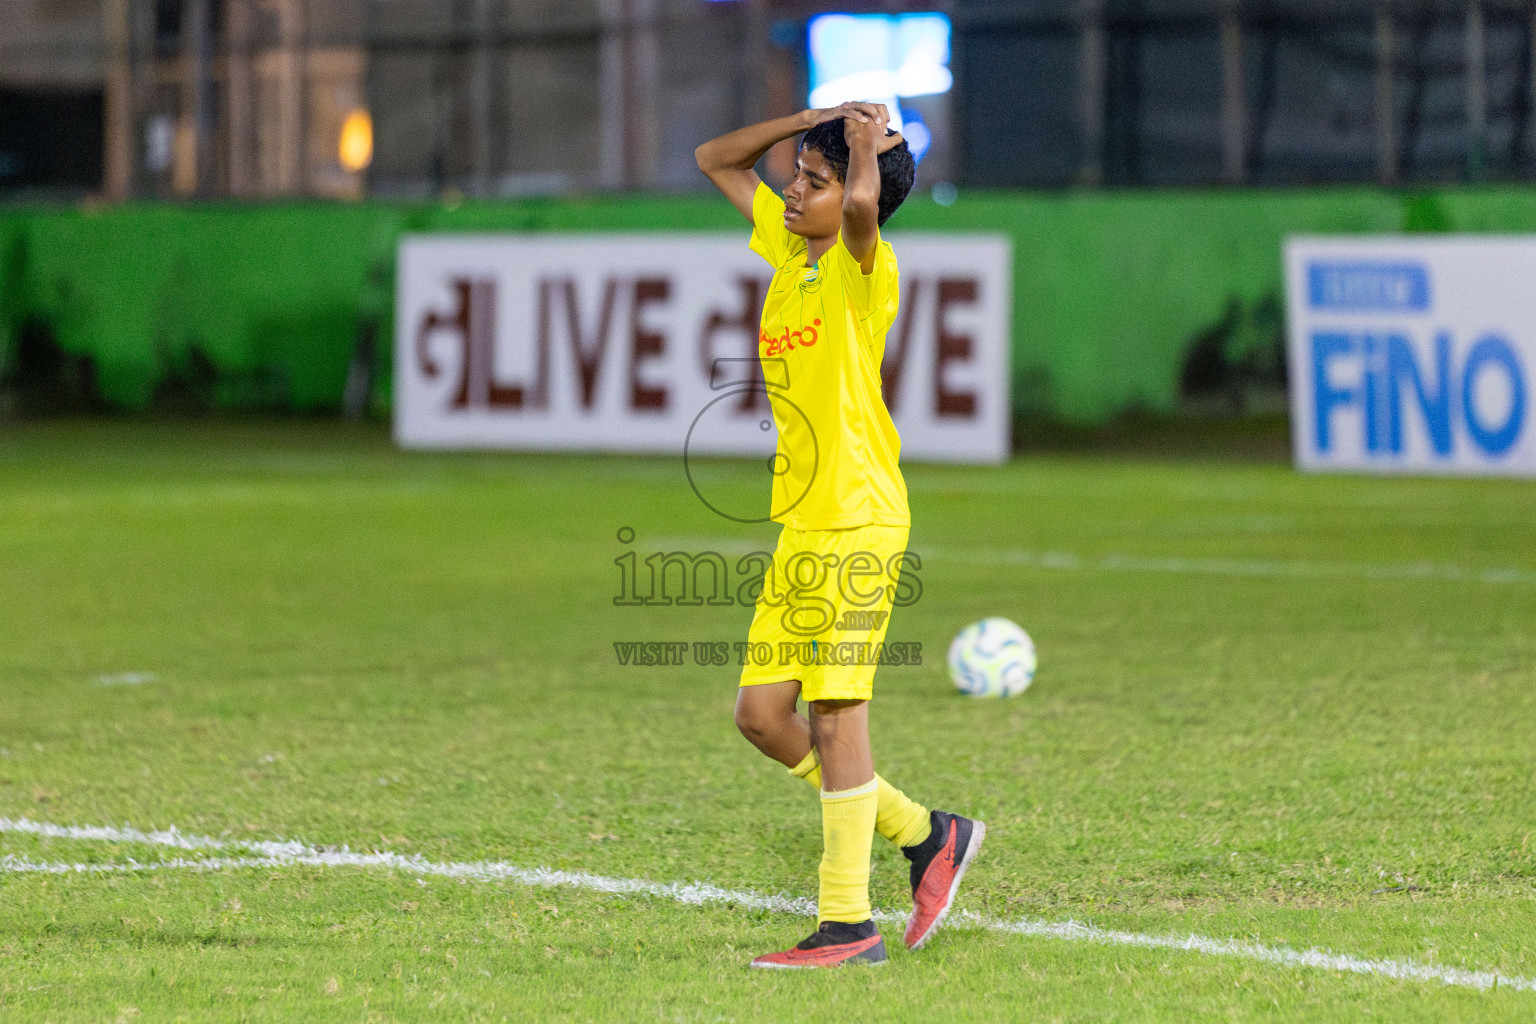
column 833, row 944
column 938, row 865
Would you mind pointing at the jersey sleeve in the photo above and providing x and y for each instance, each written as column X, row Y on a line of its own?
column 875, row 291
column 770, row 238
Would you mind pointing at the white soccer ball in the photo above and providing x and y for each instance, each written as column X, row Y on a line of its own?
column 992, row 658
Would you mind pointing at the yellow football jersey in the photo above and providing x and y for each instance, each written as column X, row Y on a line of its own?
column 821, row 343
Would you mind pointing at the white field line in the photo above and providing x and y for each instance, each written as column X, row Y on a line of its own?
column 1432, row 571
column 126, row 679
column 478, row 871
column 1280, row 956
column 289, row 853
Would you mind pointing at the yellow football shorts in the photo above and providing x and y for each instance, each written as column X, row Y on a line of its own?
column 824, row 608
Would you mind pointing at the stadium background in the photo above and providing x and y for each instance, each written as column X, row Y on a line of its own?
column 300, row 724
column 186, row 226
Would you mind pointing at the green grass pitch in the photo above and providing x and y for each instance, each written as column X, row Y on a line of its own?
column 1288, row 711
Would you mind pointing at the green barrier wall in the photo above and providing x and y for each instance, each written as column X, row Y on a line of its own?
column 13, row 231
column 263, row 305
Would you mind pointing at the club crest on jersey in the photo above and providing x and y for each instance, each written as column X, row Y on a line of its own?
column 790, row 340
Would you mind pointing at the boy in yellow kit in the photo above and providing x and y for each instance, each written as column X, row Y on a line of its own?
column 843, row 504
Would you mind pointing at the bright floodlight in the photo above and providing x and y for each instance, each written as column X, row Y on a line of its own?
column 878, row 58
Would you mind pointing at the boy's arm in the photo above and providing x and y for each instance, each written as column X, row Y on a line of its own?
column 728, row 160
column 867, row 139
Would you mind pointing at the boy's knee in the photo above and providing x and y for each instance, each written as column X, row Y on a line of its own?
column 753, row 722
column 764, row 713
column 745, row 721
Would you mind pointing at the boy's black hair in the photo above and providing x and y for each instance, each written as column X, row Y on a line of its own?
column 897, row 168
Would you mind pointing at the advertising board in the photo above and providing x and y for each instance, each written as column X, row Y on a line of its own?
column 651, row 343
column 1412, row 354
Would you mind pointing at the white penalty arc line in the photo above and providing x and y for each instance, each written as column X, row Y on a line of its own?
column 290, row 853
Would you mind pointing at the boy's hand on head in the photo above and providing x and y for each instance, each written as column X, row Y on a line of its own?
column 848, row 111
column 867, row 122
column 877, row 127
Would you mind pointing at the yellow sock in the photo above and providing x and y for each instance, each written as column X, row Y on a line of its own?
column 899, row 818
column 809, row 769
column 847, row 829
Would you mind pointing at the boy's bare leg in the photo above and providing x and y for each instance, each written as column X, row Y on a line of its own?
column 840, row 731
column 766, row 716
